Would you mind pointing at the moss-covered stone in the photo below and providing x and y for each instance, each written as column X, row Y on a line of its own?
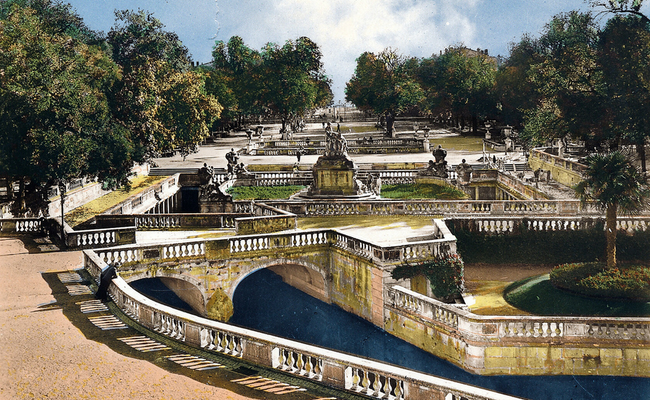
column 220, row 306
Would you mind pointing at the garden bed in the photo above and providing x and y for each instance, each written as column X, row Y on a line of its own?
column 628, row 282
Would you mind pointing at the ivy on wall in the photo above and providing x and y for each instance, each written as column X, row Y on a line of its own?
column 446, row 275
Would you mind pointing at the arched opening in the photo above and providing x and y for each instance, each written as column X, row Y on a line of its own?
column 302, row 278
column 174, row 292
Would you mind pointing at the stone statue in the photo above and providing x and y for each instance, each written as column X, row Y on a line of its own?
column 374, row 183
column 464, row 172
column 209, row 185
column 336, row 145
column 439, row 166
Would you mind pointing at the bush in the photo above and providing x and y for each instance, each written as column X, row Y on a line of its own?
column 446, row 275
column 595, row 279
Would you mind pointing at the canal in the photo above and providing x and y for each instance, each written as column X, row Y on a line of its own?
column 263, row 302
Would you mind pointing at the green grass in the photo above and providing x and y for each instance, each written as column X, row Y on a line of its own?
column 263, row 192
column 421, row 191
column 459, row 143
column 538, row 296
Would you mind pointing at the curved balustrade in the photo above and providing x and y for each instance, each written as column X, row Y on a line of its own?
column 297, row 363
column 374, row 384
column 221, row 341
column 340, row 370
column 569, row 329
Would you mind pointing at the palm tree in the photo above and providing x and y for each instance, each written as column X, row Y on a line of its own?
column 614, row 184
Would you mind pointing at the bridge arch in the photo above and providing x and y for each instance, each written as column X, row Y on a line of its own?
column 302, row 275
column 186, row 287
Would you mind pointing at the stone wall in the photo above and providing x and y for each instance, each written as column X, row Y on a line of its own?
column 566, row 172
column 520, row 345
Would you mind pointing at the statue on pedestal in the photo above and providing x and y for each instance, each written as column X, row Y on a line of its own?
column 438, row 166
column 464, row 172
column 209, row 185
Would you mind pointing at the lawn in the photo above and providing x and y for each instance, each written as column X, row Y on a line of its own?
column 422, row 191
column 98, row 206
column 263, row 192
column 538, row 296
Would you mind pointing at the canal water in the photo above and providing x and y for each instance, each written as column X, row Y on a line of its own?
column 263, row 302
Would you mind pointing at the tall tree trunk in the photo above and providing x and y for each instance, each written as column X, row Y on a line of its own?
column 610, row 235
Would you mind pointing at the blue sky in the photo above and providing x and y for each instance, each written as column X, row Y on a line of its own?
column 342, row 28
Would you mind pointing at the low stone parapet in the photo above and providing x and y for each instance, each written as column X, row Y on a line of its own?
column 523, row 345
column 342, row 371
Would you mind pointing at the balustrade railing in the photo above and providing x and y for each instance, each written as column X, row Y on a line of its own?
column 21, row 225
column 343, row 371
column 517, row 328
column 505, row 225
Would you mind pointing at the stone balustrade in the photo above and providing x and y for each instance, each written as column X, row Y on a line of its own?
column 238, row 246
column 560, row 208
column 505, row 225
column 503, row 344
column 519, row 327
column 21, row 225
column 339, row 370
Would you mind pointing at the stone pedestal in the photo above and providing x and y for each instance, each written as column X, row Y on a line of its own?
column 335, row 177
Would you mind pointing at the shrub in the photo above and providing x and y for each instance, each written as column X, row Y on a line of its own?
column 446, row 275
column 595, row 279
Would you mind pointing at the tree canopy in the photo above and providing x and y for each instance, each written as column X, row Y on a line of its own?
column 383, row 84
column 459, row 82
column 68, row 110
column 53, row 102
column 284, row 81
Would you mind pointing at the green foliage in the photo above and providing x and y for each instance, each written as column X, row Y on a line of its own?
column 286, row 81
column 567, row 82
column 462, row 83
column 163, row 105
column 263, row 192
column 446, row 275
column 538, row 296
column 382, row 83
column 421, row 191
column 611, row 179
column 54, row 112
column 548, row 247
column 595, row 279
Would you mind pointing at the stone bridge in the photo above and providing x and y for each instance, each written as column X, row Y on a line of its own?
column 327, row 264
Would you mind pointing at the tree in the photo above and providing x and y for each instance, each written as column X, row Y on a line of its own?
column 381, row 83
column 568, row 82
column 625, row 60
column 621, row 7
column 615, row 185
column 162, row 104
column 235, row 79
column 463, row 82
column 513, row 90
column 54, row 114
column 58, row 18
column 294, row 80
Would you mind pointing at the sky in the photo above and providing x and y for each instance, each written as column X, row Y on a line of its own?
column 343, row 29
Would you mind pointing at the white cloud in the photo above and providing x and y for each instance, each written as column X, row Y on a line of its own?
column 346, row 28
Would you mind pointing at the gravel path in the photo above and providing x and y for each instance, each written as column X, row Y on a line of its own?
column 43, row 355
